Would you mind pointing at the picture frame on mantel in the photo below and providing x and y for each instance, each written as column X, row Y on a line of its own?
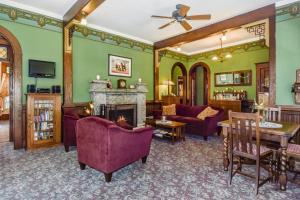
column 119, row 66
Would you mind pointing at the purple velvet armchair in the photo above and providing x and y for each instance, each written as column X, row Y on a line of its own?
column 69, row 124
column 107, row 147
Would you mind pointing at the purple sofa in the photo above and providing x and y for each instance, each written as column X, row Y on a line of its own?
column 107, row 147
column 188, row 114
column 69, row 123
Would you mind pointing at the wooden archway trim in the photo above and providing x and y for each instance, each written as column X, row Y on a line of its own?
column 16, row 64
column 192, row 69
column 184, row 74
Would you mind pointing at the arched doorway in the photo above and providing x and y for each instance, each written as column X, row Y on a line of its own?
column 196, row 82
column 15, row 88
column 180, row 80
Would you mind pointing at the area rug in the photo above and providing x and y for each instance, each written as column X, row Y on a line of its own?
column 187, row 170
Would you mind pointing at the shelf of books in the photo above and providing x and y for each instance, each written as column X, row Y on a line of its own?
column 43, row 120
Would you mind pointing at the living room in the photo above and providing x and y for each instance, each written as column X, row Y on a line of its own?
column 152, row 67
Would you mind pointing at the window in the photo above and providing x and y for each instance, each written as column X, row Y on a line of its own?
column 3, row 53
column 6, row 103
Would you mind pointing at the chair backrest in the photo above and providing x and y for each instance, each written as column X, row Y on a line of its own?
column 242, row 128
column 273, row 113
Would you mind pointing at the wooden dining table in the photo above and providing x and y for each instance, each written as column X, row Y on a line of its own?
column 281, row 135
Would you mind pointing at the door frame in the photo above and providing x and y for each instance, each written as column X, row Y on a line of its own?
column 184, row 75
column 206, row 80
column 15, row 90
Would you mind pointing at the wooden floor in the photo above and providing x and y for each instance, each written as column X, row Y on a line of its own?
column 4, row 131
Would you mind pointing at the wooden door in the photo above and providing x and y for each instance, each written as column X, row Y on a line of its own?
column 262, row 80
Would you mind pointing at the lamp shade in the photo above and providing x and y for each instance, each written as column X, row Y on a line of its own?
column 168, row 83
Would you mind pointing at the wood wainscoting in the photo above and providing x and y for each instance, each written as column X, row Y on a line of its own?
column 291, row 114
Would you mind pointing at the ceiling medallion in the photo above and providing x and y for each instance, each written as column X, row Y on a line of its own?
column 258, row 30
column 221, row 56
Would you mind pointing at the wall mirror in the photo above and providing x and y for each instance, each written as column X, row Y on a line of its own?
column 235, row 78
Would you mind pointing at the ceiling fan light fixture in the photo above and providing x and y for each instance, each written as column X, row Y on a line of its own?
column 83, row 20
column 228, row 55
column 215, row 58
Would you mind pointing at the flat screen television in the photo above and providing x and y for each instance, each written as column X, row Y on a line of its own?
column 41, row 69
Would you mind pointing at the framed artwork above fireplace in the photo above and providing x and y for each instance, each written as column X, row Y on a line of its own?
column 119, row 66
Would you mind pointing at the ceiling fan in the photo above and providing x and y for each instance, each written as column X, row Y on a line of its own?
column 180, row 15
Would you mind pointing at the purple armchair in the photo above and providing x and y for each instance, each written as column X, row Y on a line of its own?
column 69, row 124
column 107, row 147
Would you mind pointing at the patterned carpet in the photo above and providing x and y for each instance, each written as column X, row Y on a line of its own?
column 186, row 170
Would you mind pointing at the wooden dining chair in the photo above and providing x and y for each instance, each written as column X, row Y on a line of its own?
column 273, row 114
column 293, row 155
column 243, row 126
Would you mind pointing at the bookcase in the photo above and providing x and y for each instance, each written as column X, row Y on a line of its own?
column 43, row 120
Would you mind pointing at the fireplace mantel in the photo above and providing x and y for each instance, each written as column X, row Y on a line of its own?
column 100, row 94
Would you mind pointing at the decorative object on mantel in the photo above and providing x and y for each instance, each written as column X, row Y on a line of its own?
column 131, row 87
column 121, row 84
column 296, row 87
column 119, row 66
column 98, row 77
column 139, row 80
column 109, row 84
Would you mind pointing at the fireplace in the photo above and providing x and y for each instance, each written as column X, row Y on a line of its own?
column 115, row 112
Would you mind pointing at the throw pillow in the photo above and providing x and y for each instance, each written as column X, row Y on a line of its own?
column 207, row 112
column 169, row 110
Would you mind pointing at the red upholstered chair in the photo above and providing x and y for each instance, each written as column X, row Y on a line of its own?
column 69, row 124
column 107, row 147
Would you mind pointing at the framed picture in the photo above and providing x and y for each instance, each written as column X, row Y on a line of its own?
column 119, row 66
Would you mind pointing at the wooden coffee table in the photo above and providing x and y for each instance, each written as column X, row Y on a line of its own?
column 177, row 128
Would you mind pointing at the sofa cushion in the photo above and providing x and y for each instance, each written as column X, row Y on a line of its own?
column 174, row 117
column 207, row 112
column 169, row 110
column 182, row 109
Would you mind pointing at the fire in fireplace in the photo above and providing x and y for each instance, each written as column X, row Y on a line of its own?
column 127, row 112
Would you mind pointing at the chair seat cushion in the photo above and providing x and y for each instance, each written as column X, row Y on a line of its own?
column 263, row 149
column 294, row 149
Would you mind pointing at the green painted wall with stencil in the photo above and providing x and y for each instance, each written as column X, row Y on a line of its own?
column 40, row 44
column 91, row 57
column 287, row 58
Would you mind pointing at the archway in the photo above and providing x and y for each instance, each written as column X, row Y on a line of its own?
column 183, row 79
column 16, row 133
column 193, row 85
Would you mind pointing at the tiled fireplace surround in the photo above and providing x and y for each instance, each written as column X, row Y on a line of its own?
column 100, row 95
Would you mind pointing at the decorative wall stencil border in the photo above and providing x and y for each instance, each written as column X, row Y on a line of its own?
column 288, row 11
column 173, row 55
column 15, row 14
column 109, row 38
column 251, row 46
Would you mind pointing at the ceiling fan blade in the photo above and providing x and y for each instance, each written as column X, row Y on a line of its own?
column 198, row 17
column 165, row 17
column 183, row 10
column 164, row 26
column 186, row 25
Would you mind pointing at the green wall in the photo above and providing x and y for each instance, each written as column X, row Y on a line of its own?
column 239, row 61
column 40, row 44
column 199, row 83
column 165, row 68
column 287, row 58
column 90, row 57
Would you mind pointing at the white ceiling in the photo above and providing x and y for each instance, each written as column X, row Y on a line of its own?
column 131, row 18
column 52, row 8
column 235, row 36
